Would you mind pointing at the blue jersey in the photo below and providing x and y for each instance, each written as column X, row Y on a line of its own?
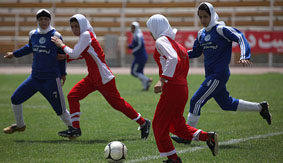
column 216, row 45
column 138, row 48
column 45, row 64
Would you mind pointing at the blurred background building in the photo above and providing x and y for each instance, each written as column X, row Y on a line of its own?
column 260, row 20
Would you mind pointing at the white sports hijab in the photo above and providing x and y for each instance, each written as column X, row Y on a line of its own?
column 43, row 13
column 214, row 17
column 137, row 28
column 159, row 26
column 84, row 23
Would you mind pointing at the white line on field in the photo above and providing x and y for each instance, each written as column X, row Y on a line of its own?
column 229, row 142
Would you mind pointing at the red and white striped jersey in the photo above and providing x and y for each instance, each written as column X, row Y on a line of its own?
column 172, row 60
column 88, row 48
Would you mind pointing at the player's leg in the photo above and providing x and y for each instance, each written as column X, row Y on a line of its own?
column 161, row 124
column 52, row 90
column 112, row 95
column 79, row 91
column 26, row 90
column 206, row 90
column 145, row 80
column 137, row 71
column 227, row 102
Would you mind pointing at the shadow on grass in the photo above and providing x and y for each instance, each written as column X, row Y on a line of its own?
column 77, row 141
column 65, row 141
column 235, row 146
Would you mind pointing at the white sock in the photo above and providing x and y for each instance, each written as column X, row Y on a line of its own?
column 18, row 113
column 66, row 118
column 193, row 120
column 248, row 106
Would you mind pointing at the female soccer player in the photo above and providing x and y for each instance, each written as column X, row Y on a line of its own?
column 173, row 64
column 140, row 56
column 215, row 42
column 46, row 73
column 99, row 78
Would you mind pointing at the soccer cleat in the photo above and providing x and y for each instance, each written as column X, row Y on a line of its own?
column 71, row 133
column 13, row 128
column 148, row 82
column 173, row 161
column 145, row 129
column 180, row 140
column 212, row 143
column 265, row 112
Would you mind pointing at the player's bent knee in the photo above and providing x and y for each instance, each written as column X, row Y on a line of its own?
column 15, row 100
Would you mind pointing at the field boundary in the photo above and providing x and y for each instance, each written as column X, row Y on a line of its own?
column 229, row 142
column 147, row 70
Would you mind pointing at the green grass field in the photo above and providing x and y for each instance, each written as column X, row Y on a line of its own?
column 243, row 136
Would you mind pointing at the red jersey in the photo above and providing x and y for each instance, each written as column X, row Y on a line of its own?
column 172, row 60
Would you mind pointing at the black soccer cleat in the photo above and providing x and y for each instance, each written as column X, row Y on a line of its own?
column 265, row 112
column 145, row 129
column 180, row 140
column 212, row 143
column 71, row 132
column 173, row 161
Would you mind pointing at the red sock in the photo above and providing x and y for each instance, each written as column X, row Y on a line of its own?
column 141, row 121
column 173, row 156
column 76, row 124
column 203, row 136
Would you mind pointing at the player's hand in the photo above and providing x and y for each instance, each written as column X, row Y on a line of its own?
column 244, row 62
column 9, row 55
column 158, row 86
column 61, row 57
column 58, row 42
column 63, row 79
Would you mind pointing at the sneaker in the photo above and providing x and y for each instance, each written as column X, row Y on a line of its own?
column 173, row 161
column 13, row 128
column 148, row 83
column 265, row 112
column 145, row 129
column 212, row 143
column 71, row 133
column 180, row 140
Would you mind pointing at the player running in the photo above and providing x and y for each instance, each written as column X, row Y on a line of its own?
column 140, row 56
column 215, row 42
column 173, row 64
column 99, row 78
column 47, row 72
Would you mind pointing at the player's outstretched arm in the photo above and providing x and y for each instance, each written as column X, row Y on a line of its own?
column 57, row 41
column 9, row 55
column 245, row 62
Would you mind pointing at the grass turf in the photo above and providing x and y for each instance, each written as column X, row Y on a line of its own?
column 101, row 124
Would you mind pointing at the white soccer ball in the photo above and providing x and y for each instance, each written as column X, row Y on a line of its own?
column 115, row 151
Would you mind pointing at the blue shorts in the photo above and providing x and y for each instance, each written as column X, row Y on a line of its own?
column 213, row 86
column 50, row 88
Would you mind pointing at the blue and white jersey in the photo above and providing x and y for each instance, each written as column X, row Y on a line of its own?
column 45, row 64
column 216, row 45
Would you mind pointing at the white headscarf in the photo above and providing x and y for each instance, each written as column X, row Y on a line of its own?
column 137, row 31
column 84, row 23
column 214, row 17
column 159, row 26
column 49, row 28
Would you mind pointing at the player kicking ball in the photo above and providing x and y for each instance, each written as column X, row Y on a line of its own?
column 99, row 78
